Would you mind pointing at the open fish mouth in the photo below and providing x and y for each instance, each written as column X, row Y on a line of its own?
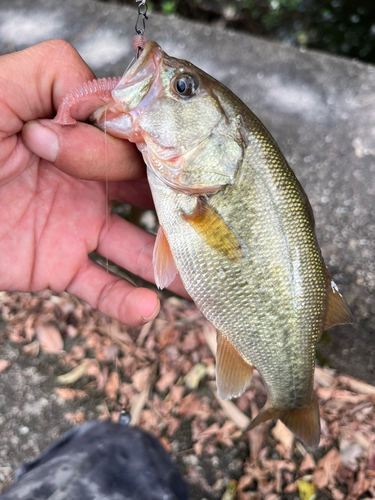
column 153, row 54
column 128, row 94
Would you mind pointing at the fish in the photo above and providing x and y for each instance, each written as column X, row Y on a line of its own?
column 237, row 226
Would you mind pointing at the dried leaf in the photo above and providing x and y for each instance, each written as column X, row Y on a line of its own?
column 143, row 333
column 357, row 385
column 326, row 469
column 76, row 353
column 167, row 336
column 231, row 411
column 150, row 421
column 140, row 378
column 195, row 375
column 71, row 331
column 112, row 385
column 209, row 431
column 225, row 432
column 361, row 485
column 139, row 400
column 67, row 394
column 50, row 338
column 31, row 349
column 371, row 458
column 77, row 418
column 231, row 491
column 73, row 375
column 179, row 342
column 351, row 454
column 93, row 368
column 190, row 342
column 308, row 463
column 4, row 364
column 172, row 423
column 189, row 405
column 166, row 381
column 324, row 393
column 29, row 327
column 324, row 376
column 102, row 378
column 343, row 398
column 337, row 494
column 306, row 490
column 282, row 434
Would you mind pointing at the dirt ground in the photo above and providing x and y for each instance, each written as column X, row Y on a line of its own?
column 163, row 373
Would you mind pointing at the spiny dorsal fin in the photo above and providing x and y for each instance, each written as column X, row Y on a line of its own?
column 212, row 229
column 303, row 421
column 338, row 312
column 232, row 373
column 165, row 269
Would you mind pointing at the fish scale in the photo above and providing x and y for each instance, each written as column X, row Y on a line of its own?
column 273, row 312
column 249, row 318
column 237, row 226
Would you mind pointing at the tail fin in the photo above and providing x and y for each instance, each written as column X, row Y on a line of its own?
column 304, row 421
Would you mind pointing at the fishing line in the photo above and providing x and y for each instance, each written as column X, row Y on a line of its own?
column 139, row 42
column 106, row 193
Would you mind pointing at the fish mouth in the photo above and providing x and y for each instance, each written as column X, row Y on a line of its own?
column 151, row 56
column 115, row 117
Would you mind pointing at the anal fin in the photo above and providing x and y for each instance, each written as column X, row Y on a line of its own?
column 338, row 312
column 233, row 374
column 165, row 269
column 213, row 229
column 303, row 421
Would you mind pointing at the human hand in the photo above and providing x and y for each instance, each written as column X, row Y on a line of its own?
column 52, row 192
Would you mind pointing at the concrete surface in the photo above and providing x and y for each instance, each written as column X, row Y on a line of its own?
column 320, row 109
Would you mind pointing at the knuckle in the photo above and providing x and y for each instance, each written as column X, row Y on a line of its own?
column 61, row 46
column 102, row 302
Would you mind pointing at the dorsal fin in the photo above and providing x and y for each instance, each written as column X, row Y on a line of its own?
column 338, row 312
column 213, row 230
column 165, row 269
column 232, row 373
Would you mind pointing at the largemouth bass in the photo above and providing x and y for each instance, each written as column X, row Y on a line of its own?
column 237, row 226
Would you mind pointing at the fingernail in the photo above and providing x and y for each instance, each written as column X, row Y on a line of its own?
column 154, row 314
column 42, row 141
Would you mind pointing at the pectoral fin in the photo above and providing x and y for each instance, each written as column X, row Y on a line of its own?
column 303, row 421
column 338, row 312
column 165, row 269
column 213, row 230
column 233, row 374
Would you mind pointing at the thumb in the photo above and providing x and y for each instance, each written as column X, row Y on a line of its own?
column 84, row 151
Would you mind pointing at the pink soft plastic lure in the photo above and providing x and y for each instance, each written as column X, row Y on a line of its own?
column 101, row 88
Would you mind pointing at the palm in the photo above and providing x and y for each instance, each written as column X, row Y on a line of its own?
column 58, row 220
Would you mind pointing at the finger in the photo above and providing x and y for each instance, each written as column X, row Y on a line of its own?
column 132, row 248
column 84, row 151
column 135, row 192
column 40, row 77
column 114, row 296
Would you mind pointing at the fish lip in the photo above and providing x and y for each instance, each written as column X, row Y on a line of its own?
column 102, row 116
column 144, row 67
column 151, row 53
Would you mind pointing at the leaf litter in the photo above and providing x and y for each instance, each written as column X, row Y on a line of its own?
column 163, row 373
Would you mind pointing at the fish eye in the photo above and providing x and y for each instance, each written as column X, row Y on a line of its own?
column 186, row 85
